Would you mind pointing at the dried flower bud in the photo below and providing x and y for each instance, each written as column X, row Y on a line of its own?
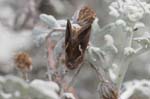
column 23, row 61
column 108, row 90
column 85, row 15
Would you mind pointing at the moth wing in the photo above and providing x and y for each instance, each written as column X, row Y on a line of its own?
column 68, row 32
column 84, row 36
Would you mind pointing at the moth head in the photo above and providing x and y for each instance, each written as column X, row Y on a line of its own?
column 75, row 45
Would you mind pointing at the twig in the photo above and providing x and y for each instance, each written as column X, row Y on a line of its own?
column 50, row 61
column 49, row 53
column 25, row 76
column 101, row 78
column 74, row 76
column 140, row 51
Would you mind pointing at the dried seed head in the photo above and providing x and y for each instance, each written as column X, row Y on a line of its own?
column 108, row 90
column 23, row 61
column 85, row 15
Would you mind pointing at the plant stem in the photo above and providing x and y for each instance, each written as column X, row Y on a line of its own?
column 124, row 65
column 125, row 61
column 122, row 72
column 101, row 78
column 25, row 76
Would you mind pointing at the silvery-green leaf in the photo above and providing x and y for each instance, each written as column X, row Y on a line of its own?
column 121, row 22
column 12, row 87
column 139, row 25
column 95, row 54
column 128, row 51
column 49, row 20
column 62, row 22
column 136, row 88
column 39, row 35
column 68, row 96
column 143, row 40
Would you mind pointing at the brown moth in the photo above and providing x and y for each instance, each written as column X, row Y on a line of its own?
column 77, row 36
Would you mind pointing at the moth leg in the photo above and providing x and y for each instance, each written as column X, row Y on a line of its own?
column 80, row 49
column 74, row 77
column 65, row 72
